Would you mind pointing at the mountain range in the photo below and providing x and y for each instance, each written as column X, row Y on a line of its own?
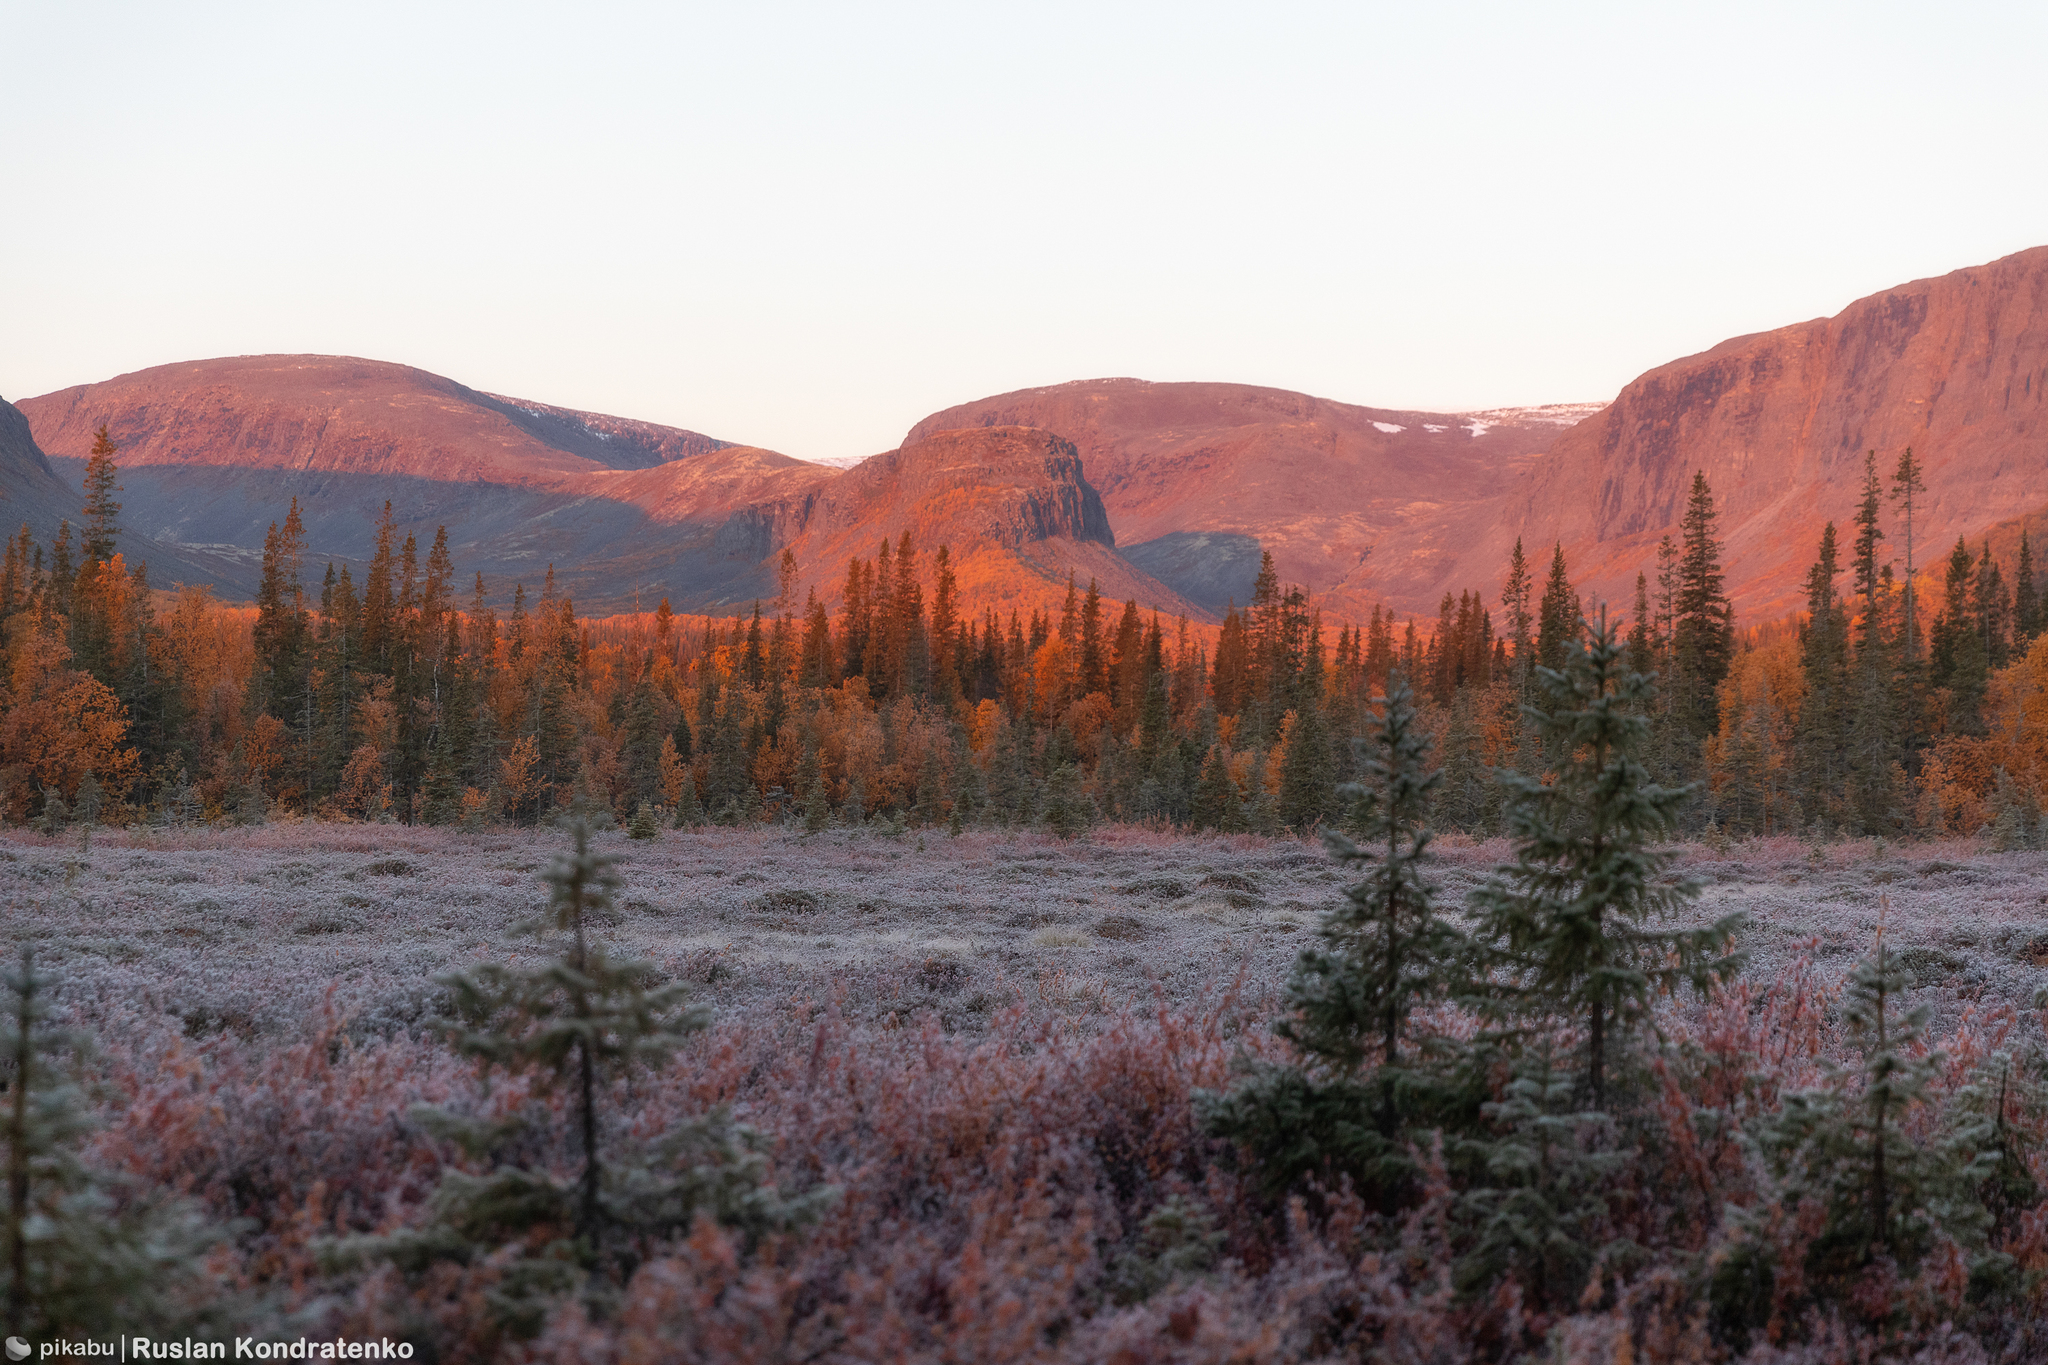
column 1163, row 492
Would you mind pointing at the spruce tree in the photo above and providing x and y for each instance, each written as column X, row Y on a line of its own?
column 1069, row 810
column 1558, row 618
column 74, row 1257
column 1362, row 1078
column 574, row 1022
column 1215, row 793
column 689, row 812
column 1308, row 773
column 100, row 508
column 1821, row 741
column 2026, row 599
column 1540, row 1202
column 1517, row 617
column 1702, row 629
column 1957, row 660
column 1847, row 1149
column 1909, row 691
column 1567, row 925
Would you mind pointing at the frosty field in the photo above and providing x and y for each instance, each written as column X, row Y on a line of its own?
column 989, row 1047
column 251, row 931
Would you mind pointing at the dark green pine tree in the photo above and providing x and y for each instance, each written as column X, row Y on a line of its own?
column 1308, row 772
column 810, row 781
column 1873, row 728
column 443, row 803
column 1463, row 790
column 1909, row 690
column 1847, row 1148
column 2026, row 599
column 1557, row 621
column 1568, row 924
column 1702, row 629
column 1362, row 1076
column 575, row 1021
column 1215, row 794
column 79, row 1255
column 1994, row 611
column 1518, row 620
column 1956, row 661
column 640, row 747
column 101, row 511
column 1545, row 1175
column 1820, row 741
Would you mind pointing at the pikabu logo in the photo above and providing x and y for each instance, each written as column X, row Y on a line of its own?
column 17, row 1349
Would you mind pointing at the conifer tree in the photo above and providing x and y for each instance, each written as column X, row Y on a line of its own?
column 74, row 1258
column 1642, row 634
column 576, row 1020
column 1911, row 662
column 100, row 508
column 1821, row 742
column 1215, row 793
column 1568, row 923
column 1384, row 951
column 1702, row 629
column 1558, row 618
column 689, row 811
column 2026, row 599
column 1518, row 619
column 1957, row 659
column 1069, row 810
column 1540, row 1203
column 1846, row 1148
column 1308, row 777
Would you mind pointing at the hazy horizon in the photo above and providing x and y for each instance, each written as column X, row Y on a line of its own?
column 806, row 228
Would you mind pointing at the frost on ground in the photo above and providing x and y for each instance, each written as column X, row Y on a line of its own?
column 989, row 1047
column 257, row 930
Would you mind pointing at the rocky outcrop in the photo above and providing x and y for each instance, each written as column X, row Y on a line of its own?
column 1329, row 488
column 1955, row 367
column 1011, row 503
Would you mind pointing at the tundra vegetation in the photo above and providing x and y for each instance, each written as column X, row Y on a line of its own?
column 904, row 1022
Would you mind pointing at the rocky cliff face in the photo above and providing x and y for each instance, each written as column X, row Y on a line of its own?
column 1954, row 367
column 1198, row 479
column 1012, row 503
column 1164, row 492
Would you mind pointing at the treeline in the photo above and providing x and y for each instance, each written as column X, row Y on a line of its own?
column 1886, row 713
column 408, row 697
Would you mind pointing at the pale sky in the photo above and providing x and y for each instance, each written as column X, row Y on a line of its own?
column 807, row 226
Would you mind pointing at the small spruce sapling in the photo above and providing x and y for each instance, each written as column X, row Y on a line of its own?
column 1846, row 1148
column 644, row 824
column 577, row 1021
column 1540, row 1212
column 1567, row 925
column 81, row 1254
column 689, row 812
